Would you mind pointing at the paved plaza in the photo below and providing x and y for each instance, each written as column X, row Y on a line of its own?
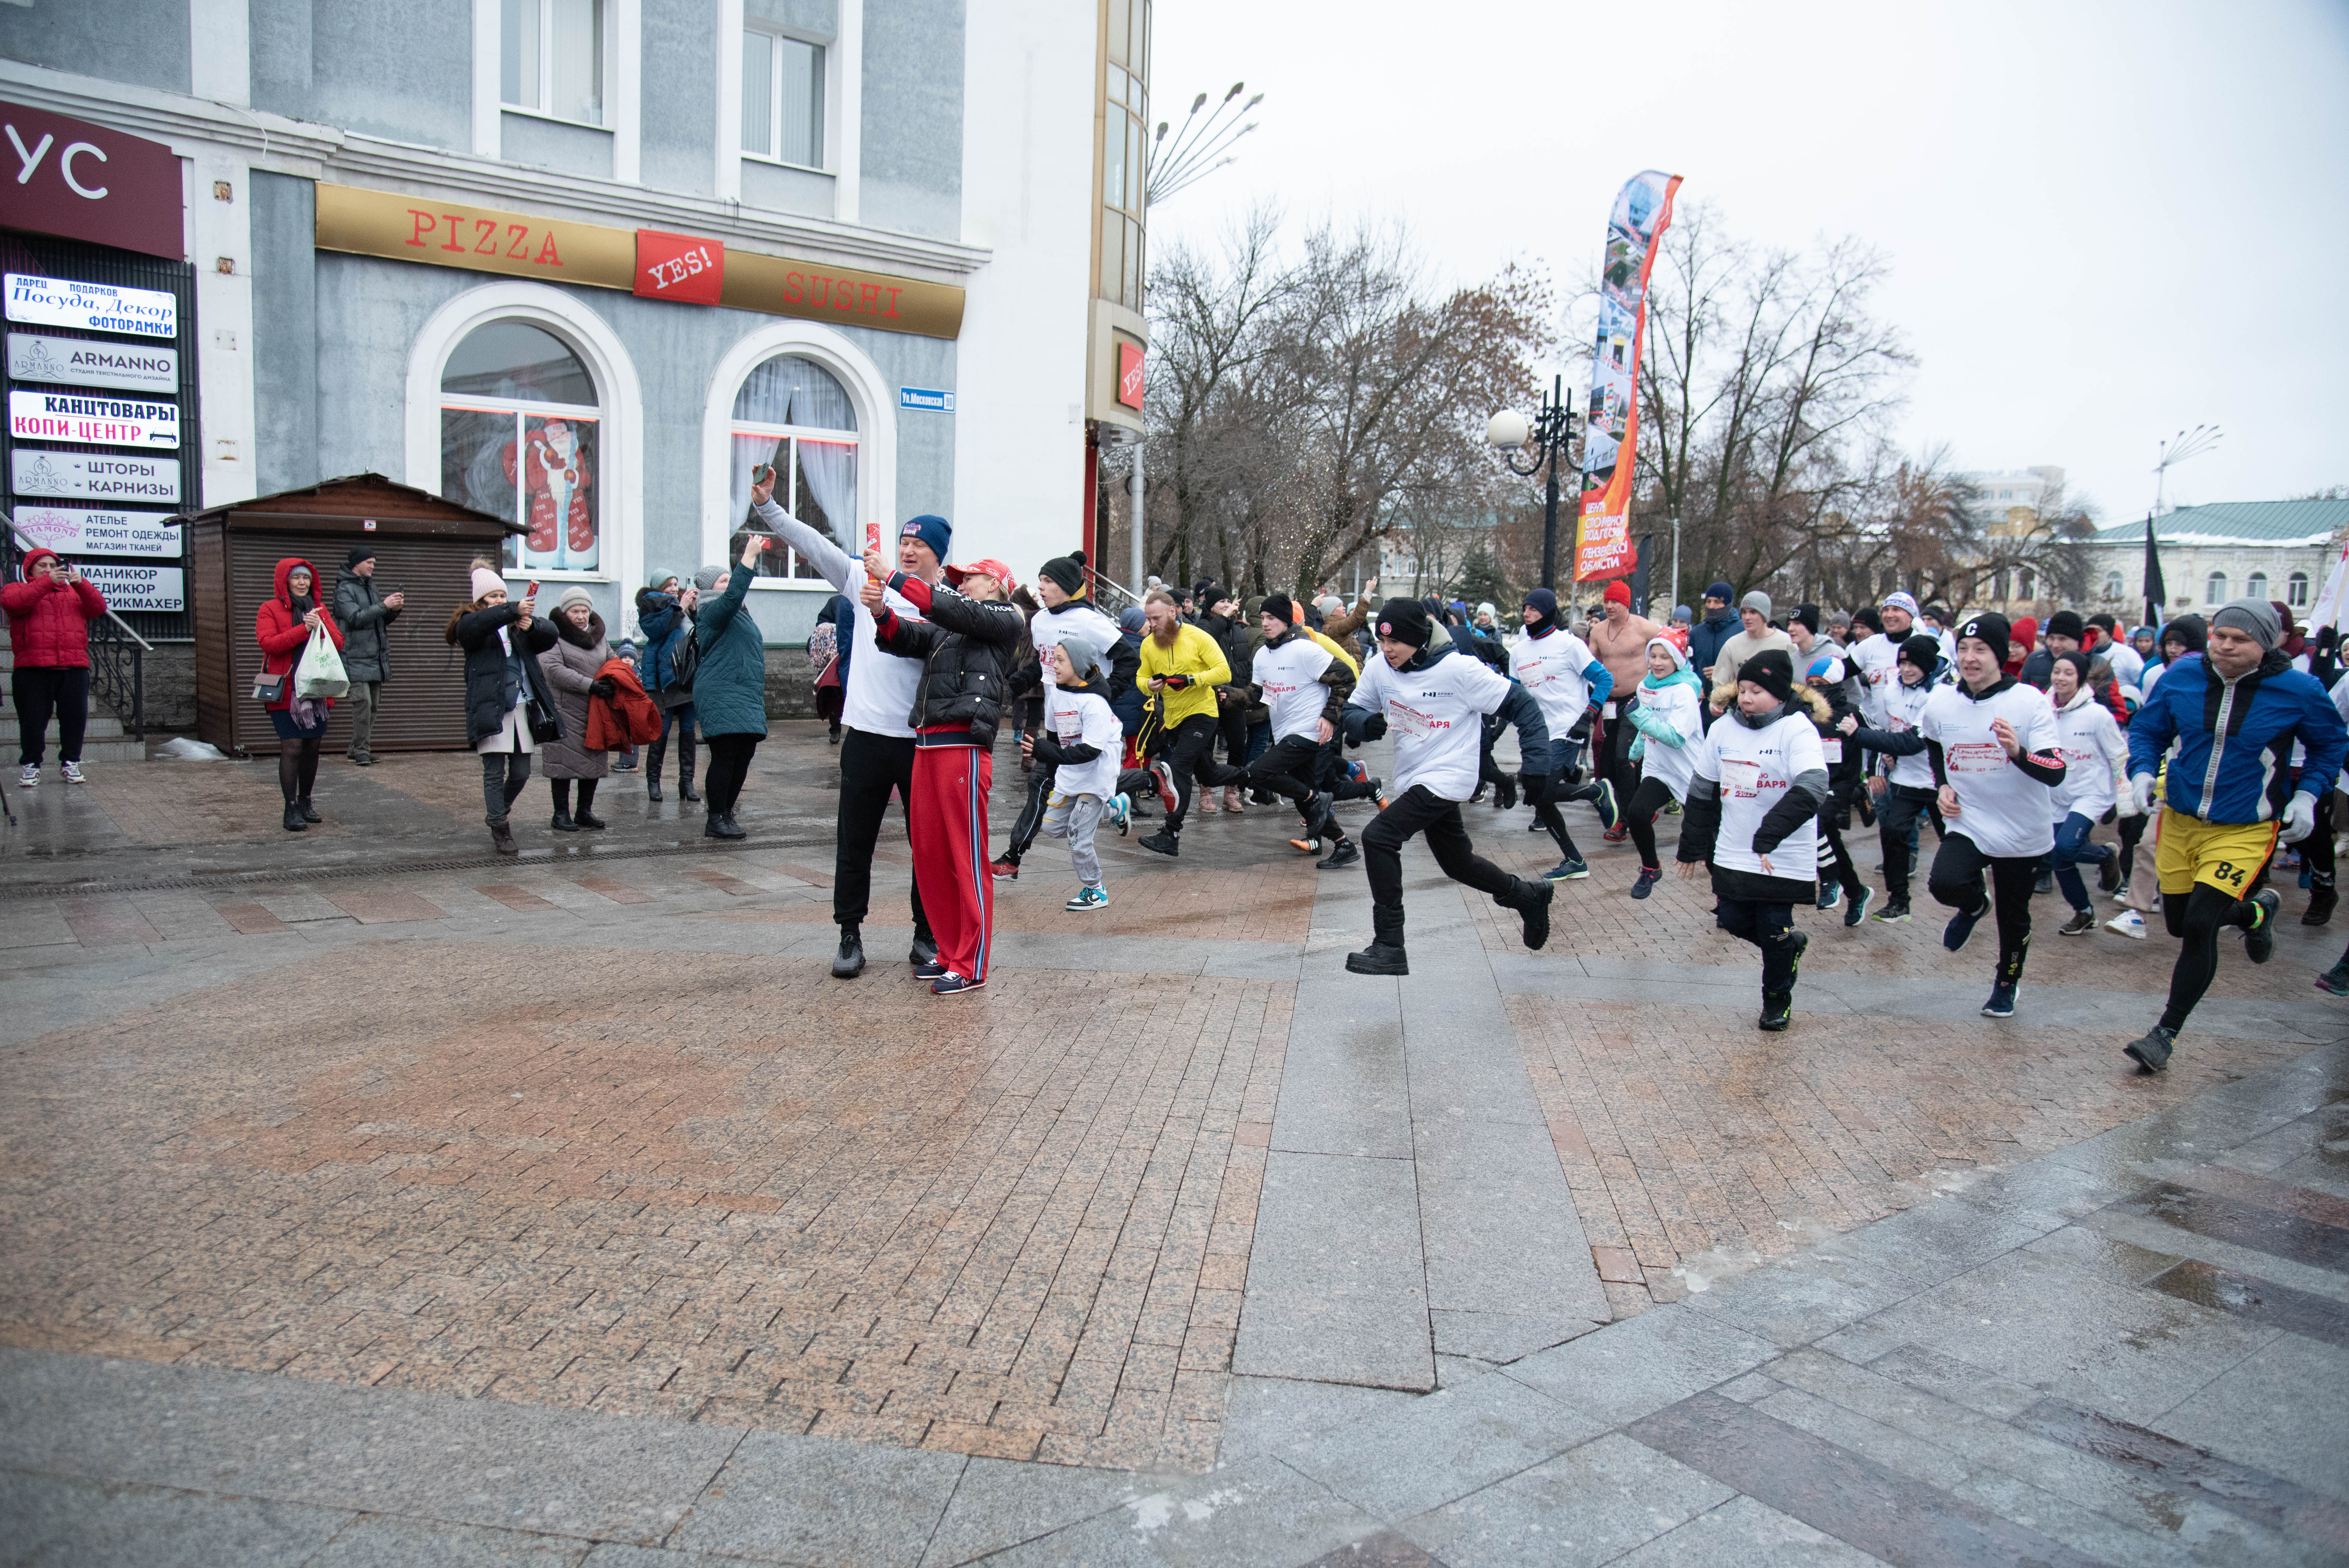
column 369, row 1199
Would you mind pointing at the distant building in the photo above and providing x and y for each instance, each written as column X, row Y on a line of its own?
column 2008, row 503
column 2228, row 550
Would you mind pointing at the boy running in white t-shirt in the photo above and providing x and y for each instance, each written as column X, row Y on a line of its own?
column 1081, row 740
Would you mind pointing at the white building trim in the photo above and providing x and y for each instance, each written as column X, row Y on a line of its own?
column 621, row 451
column 220, row 231
column 624, row 45
column 846, row 111
column 312, row 151
column 488, row 128
column 220, row 50
column 876, row 433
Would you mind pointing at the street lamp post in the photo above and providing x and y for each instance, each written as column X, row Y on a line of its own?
column 1551, row 432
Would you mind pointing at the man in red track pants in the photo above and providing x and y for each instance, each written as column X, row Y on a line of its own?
column 967, row 646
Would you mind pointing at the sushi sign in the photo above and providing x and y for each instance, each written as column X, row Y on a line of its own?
column 93, row 421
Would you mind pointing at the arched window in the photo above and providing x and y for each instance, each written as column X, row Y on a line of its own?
column 2295, row 590
column 2256, row 585
column 792, row 414
column 2112, row 584
column 520, row 422
column 2026, row 583
column 2214, row 592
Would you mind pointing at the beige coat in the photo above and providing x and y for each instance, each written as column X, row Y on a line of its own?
column 570, row 668
column 1736, row 651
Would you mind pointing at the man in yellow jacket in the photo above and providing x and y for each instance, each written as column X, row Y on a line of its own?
column 1181, row 668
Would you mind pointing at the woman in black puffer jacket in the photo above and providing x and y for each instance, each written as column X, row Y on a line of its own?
column 501, row 642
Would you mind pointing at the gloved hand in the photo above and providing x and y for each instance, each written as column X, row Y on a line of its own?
column 1582, row 728
column 1354, row 723
column 1375, row 728
column 2139, row 798
column 603, row 686
column 2299, row 817
column 1534, row 787
column 1176, row 683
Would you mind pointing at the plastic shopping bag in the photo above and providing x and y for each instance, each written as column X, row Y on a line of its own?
column 319, row 672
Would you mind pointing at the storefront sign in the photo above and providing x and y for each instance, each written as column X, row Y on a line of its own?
column 92, row 307
column 82, row 181
column 483, row 239
column 81, row 531
column 679, row 267
column 139, row 587
column 81, row 362
column 99, row 476
column 1129, row 375
column 924, row 398
column 94, row 421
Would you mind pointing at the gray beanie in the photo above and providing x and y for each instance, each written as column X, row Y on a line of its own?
column 574, row 594
column 1757, row 600
column 1083, row 656
column 707, row 578
column 2255, row 618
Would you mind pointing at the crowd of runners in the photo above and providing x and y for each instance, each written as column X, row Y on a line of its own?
column 2205, row 753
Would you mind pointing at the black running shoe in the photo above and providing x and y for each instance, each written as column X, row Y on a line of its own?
column 2259, row 942
column 1162, row 844
column 1378, row 958
column 1961, row 925
column 2000, row 1004
column 1778, row 1011
column 1343, row 853
column 2151, row 1050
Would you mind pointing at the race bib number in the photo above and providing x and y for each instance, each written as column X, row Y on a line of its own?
column 1609, row 711
column 1411, row 721
column 1976, row 757
column 1742, row 779
column 1833, row 745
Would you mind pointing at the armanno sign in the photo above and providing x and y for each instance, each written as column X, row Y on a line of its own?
column 86, row 362
column 99, row 476
column 91, row 307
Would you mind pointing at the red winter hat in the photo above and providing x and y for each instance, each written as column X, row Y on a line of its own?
column 32, row 556
column 1618, row 593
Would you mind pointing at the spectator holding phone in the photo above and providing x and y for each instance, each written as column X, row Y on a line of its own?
column 49, row 614
column 282, row 626
column 729, row 685
column 501, row 642
column 366, row 618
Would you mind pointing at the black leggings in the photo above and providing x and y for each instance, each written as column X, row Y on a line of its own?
column 2316, row 849
column 730, row 764
column 2197, row 918
column 1957, row 881
column 1641, row 815
column 562, row 788
column 1771, row 928
column 1419, row 811
column 504, row 774
column 1286, row 770
column 1185, row 748
column 1838, row 853
column 1896, row 827
column 297, row 766
column 1031, row 811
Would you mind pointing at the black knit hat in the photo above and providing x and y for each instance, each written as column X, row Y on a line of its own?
column 1771, row 670
column 358, row 552
column 1991, row 627
column 1279, row 606
column 1067, row 572
column 2066, row 623
column 1922, row 651
column 1808, row 614
column 1405, row 621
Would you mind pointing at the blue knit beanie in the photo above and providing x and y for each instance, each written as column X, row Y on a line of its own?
column 931, row 530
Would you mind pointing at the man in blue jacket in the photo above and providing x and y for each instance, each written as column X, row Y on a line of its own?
column 2233, row 712
column 1720, row 624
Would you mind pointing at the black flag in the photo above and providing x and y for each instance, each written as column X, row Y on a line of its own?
column 1640, row 577
column 2156, row 594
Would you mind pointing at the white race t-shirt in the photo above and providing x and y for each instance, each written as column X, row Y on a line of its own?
column 2002, row 809
column 1676, row 703
column 1904, row 709
column 1436, row 717
column 1290, row 675
column 1047, row 627
column 1551, row 668
column 879, row 695
column 2090, row 743
column 1878, row 659
column 1755, row 768
column 1085, row 717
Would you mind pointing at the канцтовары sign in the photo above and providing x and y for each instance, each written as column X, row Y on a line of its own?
column 93, row 420
column 101, row 475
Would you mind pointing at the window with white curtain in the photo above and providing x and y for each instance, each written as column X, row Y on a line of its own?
column 2295, row 590
column 2214, row 592
column 551, row 57
column 2112, row 584
column 783, row 98
column 795, row 415
column 2256, row 586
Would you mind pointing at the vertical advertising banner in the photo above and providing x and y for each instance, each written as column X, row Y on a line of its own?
column 1602, row 533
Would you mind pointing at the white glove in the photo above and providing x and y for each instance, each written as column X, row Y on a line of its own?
column 2300, row 817
column 2140, row 795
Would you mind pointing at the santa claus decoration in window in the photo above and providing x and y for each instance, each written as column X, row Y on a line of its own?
column 550, row 467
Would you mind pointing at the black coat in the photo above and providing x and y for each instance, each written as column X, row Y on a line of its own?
column 485, row 667
column 968, row 648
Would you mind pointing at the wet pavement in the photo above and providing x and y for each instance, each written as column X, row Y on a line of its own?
column 370, row 1198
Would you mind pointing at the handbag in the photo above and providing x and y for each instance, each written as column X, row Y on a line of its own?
column 268, row 690
column 544, row 726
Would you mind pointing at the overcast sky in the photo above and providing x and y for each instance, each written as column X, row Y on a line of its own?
column 2106, row 222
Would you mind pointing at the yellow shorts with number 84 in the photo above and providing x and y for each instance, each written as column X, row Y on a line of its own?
column 2225, row 855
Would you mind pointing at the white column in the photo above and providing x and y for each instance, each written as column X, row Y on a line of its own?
column 848, row 121
column 489, row 137
column 624, row 48
column 220, row 50
column 1134, row 582
column 729, row 173
column 220, row 233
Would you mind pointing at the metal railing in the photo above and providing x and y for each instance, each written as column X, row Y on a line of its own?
column 1110, row 597
column 118, row 656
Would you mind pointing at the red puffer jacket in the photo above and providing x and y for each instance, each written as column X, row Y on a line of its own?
column 49, row 623
column 280, row 630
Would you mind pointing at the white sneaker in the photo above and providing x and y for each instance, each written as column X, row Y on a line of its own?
column 73, row 774
column 30, row 777
column 2129, row 922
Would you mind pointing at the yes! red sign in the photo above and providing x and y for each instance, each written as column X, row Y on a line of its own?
column 1129, row 375
column 679, row 267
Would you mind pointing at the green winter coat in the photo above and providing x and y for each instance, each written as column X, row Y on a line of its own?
column 729, row 685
